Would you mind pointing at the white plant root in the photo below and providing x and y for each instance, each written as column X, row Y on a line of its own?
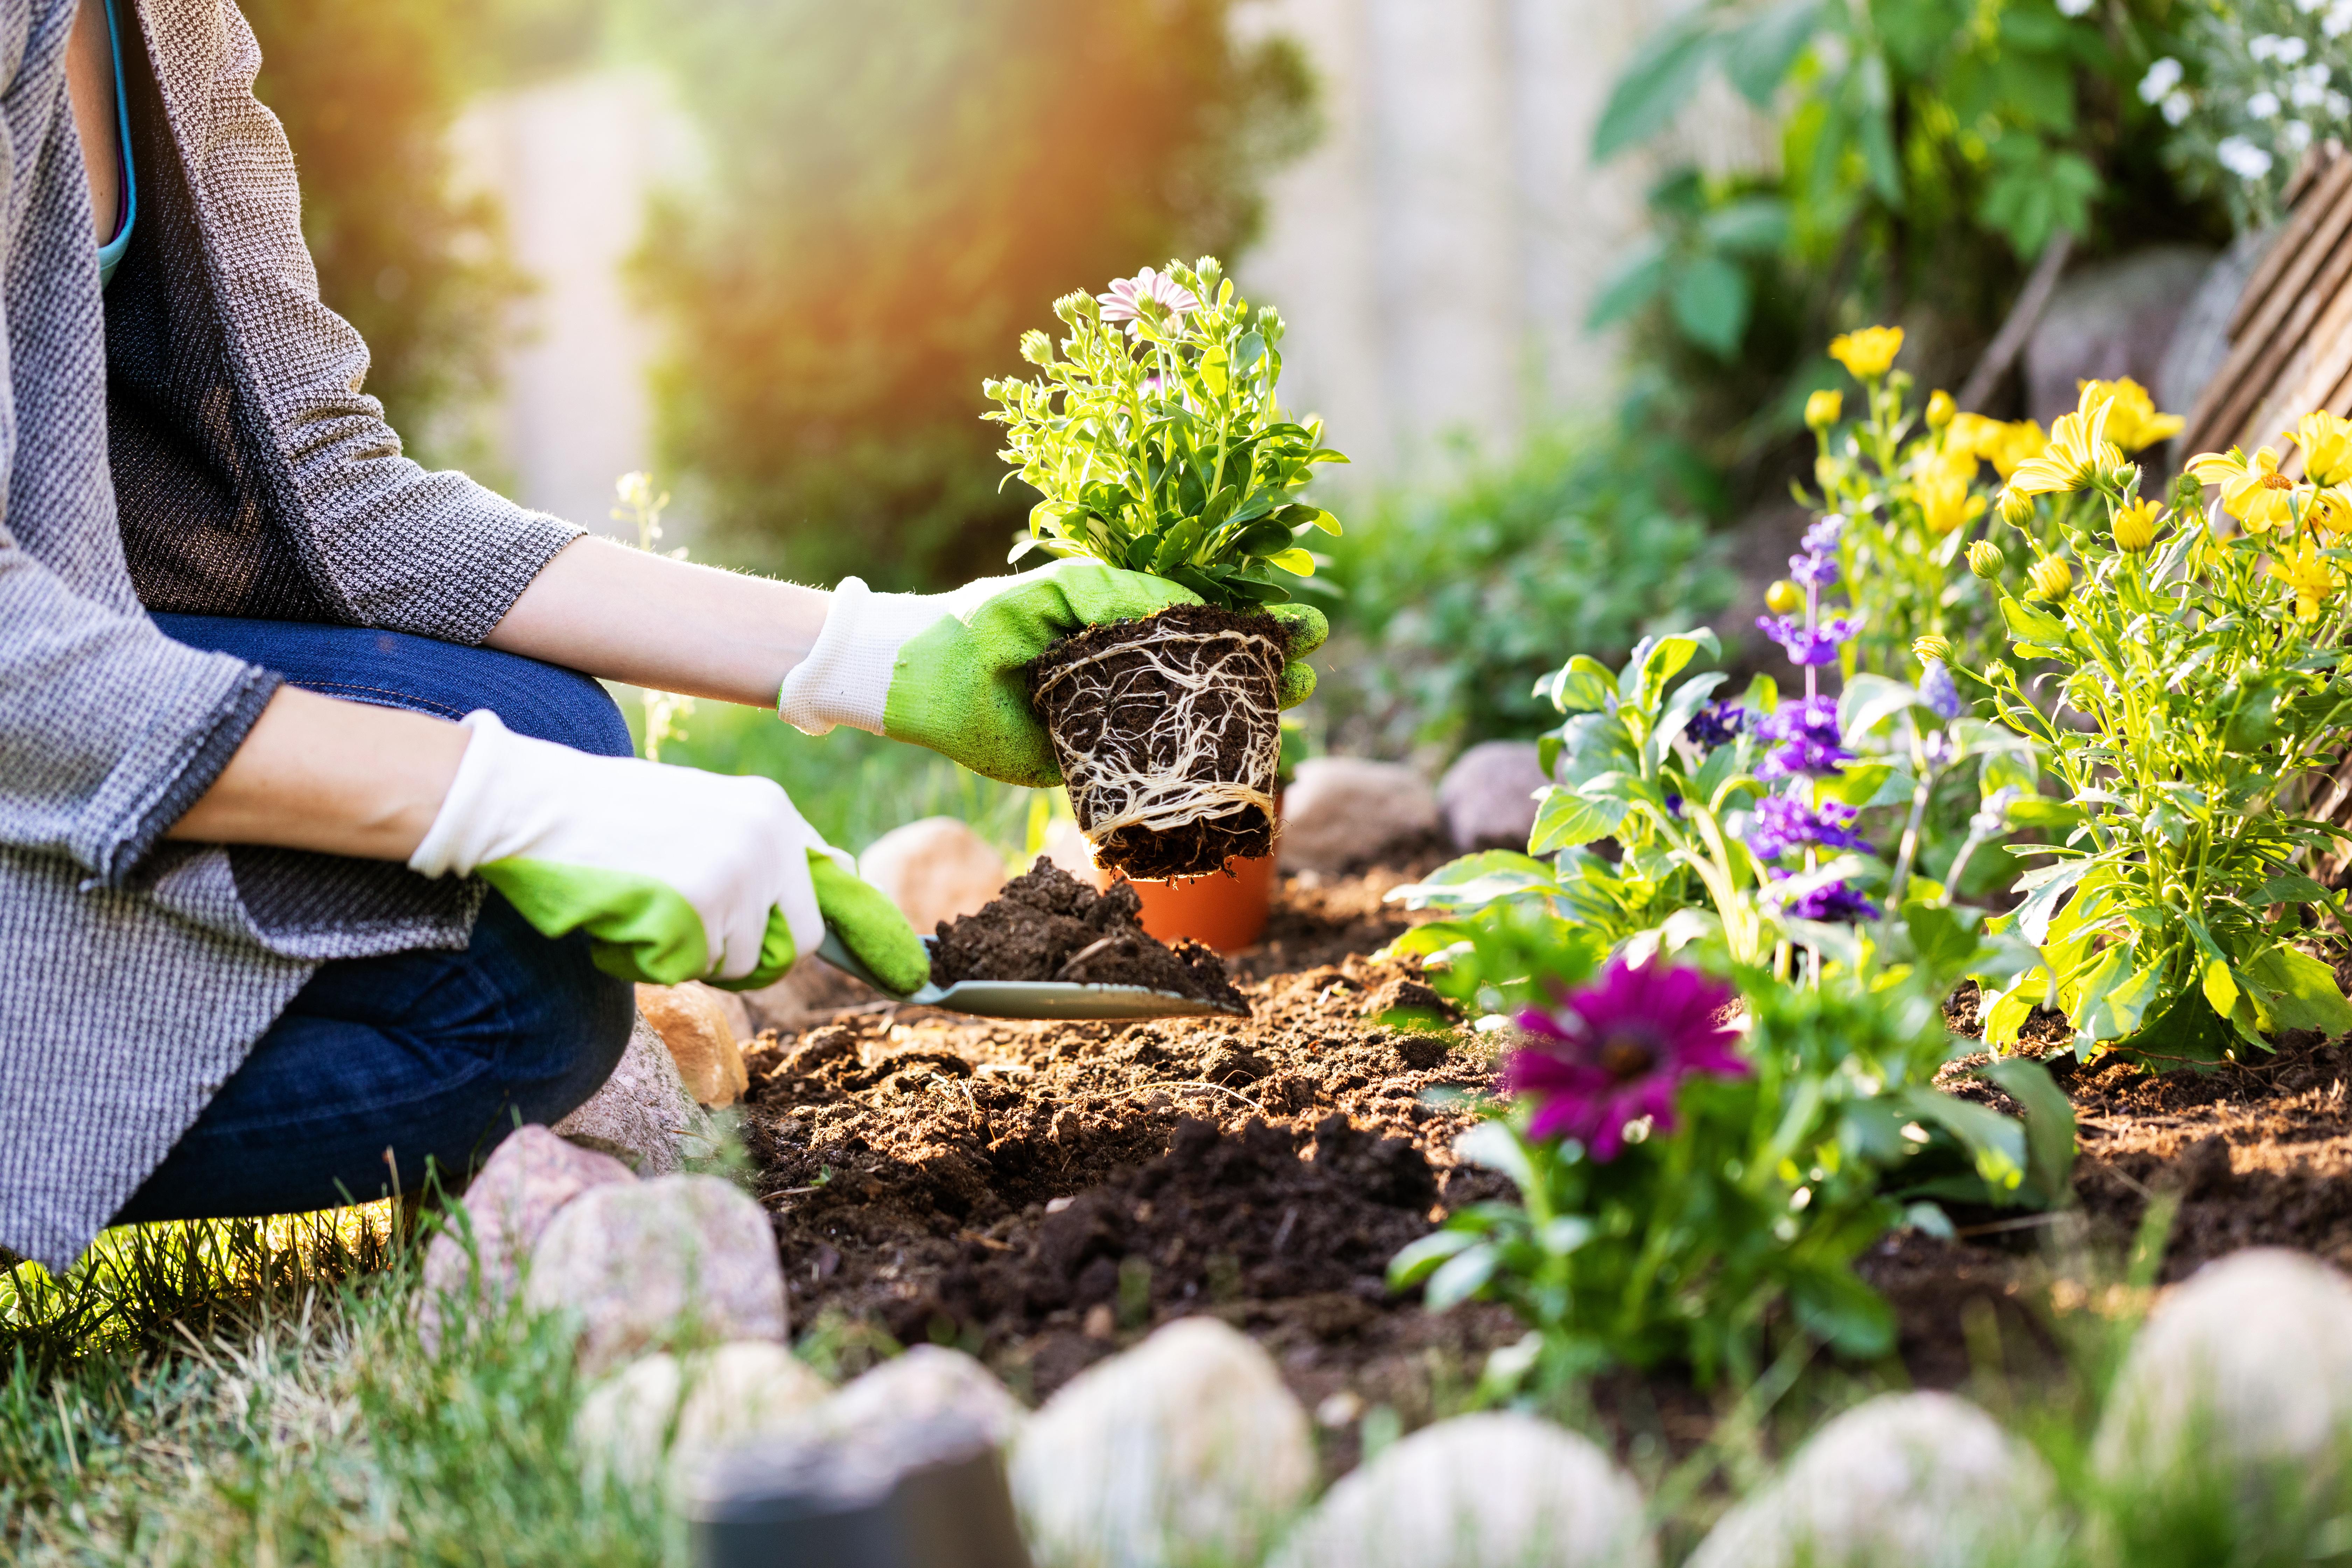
column 1154, row 745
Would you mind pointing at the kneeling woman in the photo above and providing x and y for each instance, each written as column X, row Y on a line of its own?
column 321, row 856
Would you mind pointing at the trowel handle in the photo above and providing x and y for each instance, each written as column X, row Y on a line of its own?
column 835, row 951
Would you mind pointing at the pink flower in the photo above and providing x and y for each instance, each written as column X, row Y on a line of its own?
column 1617, row 1050
column 1125, row 300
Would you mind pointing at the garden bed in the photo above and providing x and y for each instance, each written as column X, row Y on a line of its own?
column 1043, row 1194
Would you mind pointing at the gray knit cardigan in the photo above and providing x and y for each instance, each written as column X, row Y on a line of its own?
column 194, row 440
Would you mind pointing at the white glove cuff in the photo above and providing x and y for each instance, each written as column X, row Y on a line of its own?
column 456, row 841
column 845, row 679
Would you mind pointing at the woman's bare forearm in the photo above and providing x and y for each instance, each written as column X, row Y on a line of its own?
column 625, row 614
column 340, row 777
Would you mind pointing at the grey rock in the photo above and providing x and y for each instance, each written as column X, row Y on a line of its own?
column 2244, row 1374
column 2111, row 320
column 684, row 1409
column 1475, row 1492
column 649, row 1262
column 526, row 1180
column 2201, row 341
column 1488, row 795
column 643, row 1114
column 1344, row 811
column 1186, row 1448
column 926, row 1382
column 1924, row 1479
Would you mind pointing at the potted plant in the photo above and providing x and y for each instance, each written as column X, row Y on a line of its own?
column 1156, row 439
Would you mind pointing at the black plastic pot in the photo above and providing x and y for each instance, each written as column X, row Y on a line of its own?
column 928, row 1497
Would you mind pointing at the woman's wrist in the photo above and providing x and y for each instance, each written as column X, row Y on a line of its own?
column 339, row 777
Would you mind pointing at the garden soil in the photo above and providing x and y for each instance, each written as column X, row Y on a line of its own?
column 1045, row 1193
column 1049, row 925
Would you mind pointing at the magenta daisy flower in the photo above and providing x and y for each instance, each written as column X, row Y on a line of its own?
column 1125, row 300
column 1617, row 1050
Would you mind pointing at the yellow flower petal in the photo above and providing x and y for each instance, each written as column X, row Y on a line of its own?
column 1867, row 353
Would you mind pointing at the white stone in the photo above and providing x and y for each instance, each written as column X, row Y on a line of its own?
column 1186, row 1448
column 1927, row 1480
column 2108, row 320
column 695, row 1022
column 509, row 1203
column 643, row 1113
column 1065, row 846
column 686, row 1410
column 2246, row 1368
column 926, row 1381
column 934, row 870
column 1341, row 810
column 1476, row 1492
column 648, row 1261
column 1488, row 795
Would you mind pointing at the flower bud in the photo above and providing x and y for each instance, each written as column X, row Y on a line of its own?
column 2050, row 578
column 1822, row 408
column 1931, row 648
column 1997, row 673
column 1784, row 598
column 2014, row 506
column 1940, row 409
column 2134, row 526
column 1985, row 559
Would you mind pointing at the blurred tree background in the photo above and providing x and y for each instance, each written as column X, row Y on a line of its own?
column 899, row 189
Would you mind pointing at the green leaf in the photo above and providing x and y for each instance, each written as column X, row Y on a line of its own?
column 1421, row 1259
column 1633, row 284
column 1660, row 78
column 1709, row 299
column 2185, row 1029
column 1752, row 225
column 1996, row 1143
column 2290, row 887
column 2049, row 1127
column 1940, row 940
column 1496, row 1147
column 2041, row 811
column 2297, row 991
column 1461, row 1278
column 2007, row 1016
column 1293, row 560
column 1758, row 58
column 1583, row 685
column 2114, row 995
column 1841, row 1311
column 2033, row 915
column 1565, row 819
column 2029, row 624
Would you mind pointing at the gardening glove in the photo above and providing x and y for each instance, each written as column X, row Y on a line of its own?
column 951, row 670
column 675, row 874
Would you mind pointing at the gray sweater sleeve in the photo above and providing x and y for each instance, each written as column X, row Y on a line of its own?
column 110, row 729
column 408, row 550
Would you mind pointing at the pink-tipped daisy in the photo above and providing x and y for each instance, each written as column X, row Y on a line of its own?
column 1125, row 300
column 1616, row 1051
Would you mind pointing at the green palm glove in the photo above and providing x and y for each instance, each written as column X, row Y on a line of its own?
column 871, row 927
column 951, row 670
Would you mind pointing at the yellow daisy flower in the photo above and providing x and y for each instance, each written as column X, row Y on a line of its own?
column 2326, row 443
column 1945, row 500
column 2253, row 492
column 2313, row 578
column 1940, row 410
column 1822, row 408
column 2002, row 444
column 2079, row 450
column 1866, row 353
column 2134, row 526
column 2133, row 422
column 2050, row 578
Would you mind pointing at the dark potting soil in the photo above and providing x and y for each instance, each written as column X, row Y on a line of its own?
column 1239, row 714
column 1044, row 1194
column 1049, row 925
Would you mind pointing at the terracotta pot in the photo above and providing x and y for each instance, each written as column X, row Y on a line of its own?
column 1228, row 913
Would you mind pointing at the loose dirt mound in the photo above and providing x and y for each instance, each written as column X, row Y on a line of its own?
column 1049, row 925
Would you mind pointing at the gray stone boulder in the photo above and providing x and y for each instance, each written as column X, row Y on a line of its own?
column 643, row 1115
column 1928, row 1481
column 924, row 1382
column 2242, row 1375
column 508, row 1205
column 2110, row 320
column 1187, row 1448
column 1341, row 812
column 1474, row 1493
column 1488, row 795
column 647, row 1263
column 662, row 1417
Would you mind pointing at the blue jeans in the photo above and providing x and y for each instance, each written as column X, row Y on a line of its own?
column 379, row 1065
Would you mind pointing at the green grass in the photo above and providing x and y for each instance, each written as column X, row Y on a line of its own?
column 851, row 787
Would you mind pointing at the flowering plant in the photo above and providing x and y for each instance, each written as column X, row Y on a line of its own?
column 2256, row 83
column 1157, row 443
column 2198, row 697
column 1689, row 1171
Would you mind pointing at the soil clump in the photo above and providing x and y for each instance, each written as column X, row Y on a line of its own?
column 1049, row 925
column 1150, row 717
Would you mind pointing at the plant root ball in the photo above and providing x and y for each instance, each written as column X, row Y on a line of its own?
column 1924, row 1479
column 1185, row 1449
column 1475, row 1491
column 2242, row 1379
column 1168, row 733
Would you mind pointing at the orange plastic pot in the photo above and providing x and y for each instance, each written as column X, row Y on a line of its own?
column 1227, row 913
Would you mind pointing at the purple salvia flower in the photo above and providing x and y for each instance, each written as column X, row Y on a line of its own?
column 1715, row 724
column 1823, row 537
column 1782, row 822
column 1806, row 741
column 1832, row 902
column 1814, row 570
column 1617, row 1050
column 1805, row 645
column 1942, row 694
